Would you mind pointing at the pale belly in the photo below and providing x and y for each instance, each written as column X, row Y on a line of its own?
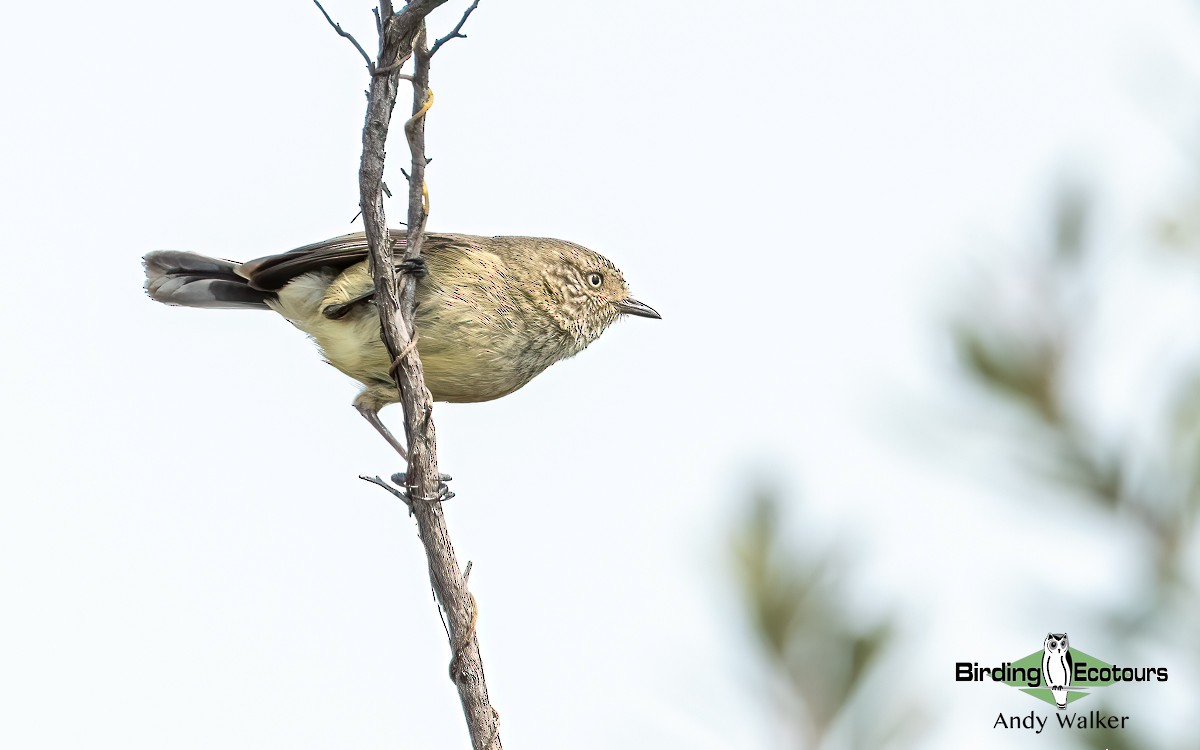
column 463, row 361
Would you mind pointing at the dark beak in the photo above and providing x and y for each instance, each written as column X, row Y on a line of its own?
column 633, row 307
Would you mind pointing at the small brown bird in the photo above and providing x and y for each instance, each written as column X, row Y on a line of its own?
column 492, row 312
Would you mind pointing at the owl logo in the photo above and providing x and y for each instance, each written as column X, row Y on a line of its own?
column 1057, row 667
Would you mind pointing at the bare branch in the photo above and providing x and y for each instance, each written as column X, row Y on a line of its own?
column 455, row 33
column 403, row 35
column 400, row 494
column 338, row 28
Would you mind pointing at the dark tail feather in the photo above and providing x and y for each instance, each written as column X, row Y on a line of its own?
column 191, row 280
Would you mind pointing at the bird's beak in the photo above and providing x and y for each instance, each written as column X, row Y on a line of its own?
column 633, row 307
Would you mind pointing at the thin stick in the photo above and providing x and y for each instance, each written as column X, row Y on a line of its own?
column 338, row 28
column 455, row 33
column 401, row 35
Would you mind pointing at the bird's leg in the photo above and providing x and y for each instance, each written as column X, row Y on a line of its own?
column 372, row 416
column 443, row 490
column 351, row 287
column 338, row 310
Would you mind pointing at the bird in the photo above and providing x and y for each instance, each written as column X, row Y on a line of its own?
column 492, row 313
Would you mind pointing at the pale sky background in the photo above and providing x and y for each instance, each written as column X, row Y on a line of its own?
column 187, row 559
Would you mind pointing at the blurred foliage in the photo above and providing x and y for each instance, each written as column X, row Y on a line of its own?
column 821, row 657
column 1149, row 483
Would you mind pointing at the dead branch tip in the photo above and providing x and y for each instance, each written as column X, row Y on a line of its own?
column 457, row 32
column 346, row 34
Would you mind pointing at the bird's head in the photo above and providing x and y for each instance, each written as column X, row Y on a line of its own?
column 587, row 292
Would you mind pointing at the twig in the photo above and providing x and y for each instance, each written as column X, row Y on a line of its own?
column 398, row 493
column 346, row 34
column 455, row 33
column 403, row 35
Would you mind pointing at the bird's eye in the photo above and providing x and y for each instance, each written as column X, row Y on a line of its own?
column 595, row 279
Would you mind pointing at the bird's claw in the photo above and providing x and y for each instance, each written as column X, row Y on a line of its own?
column 413, row 267
column 443, row 489
column 404, row 492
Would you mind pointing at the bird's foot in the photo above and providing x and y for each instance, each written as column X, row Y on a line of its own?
column 413, row 266
column 338, row 310
column 443, row 489
column 404, row 492
column 335, row 311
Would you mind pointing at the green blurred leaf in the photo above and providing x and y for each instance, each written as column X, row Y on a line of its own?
column 793, row 605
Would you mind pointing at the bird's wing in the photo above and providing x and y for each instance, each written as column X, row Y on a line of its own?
column 274, row 271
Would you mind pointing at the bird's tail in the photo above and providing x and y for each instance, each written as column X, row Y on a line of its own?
column 191, row 280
